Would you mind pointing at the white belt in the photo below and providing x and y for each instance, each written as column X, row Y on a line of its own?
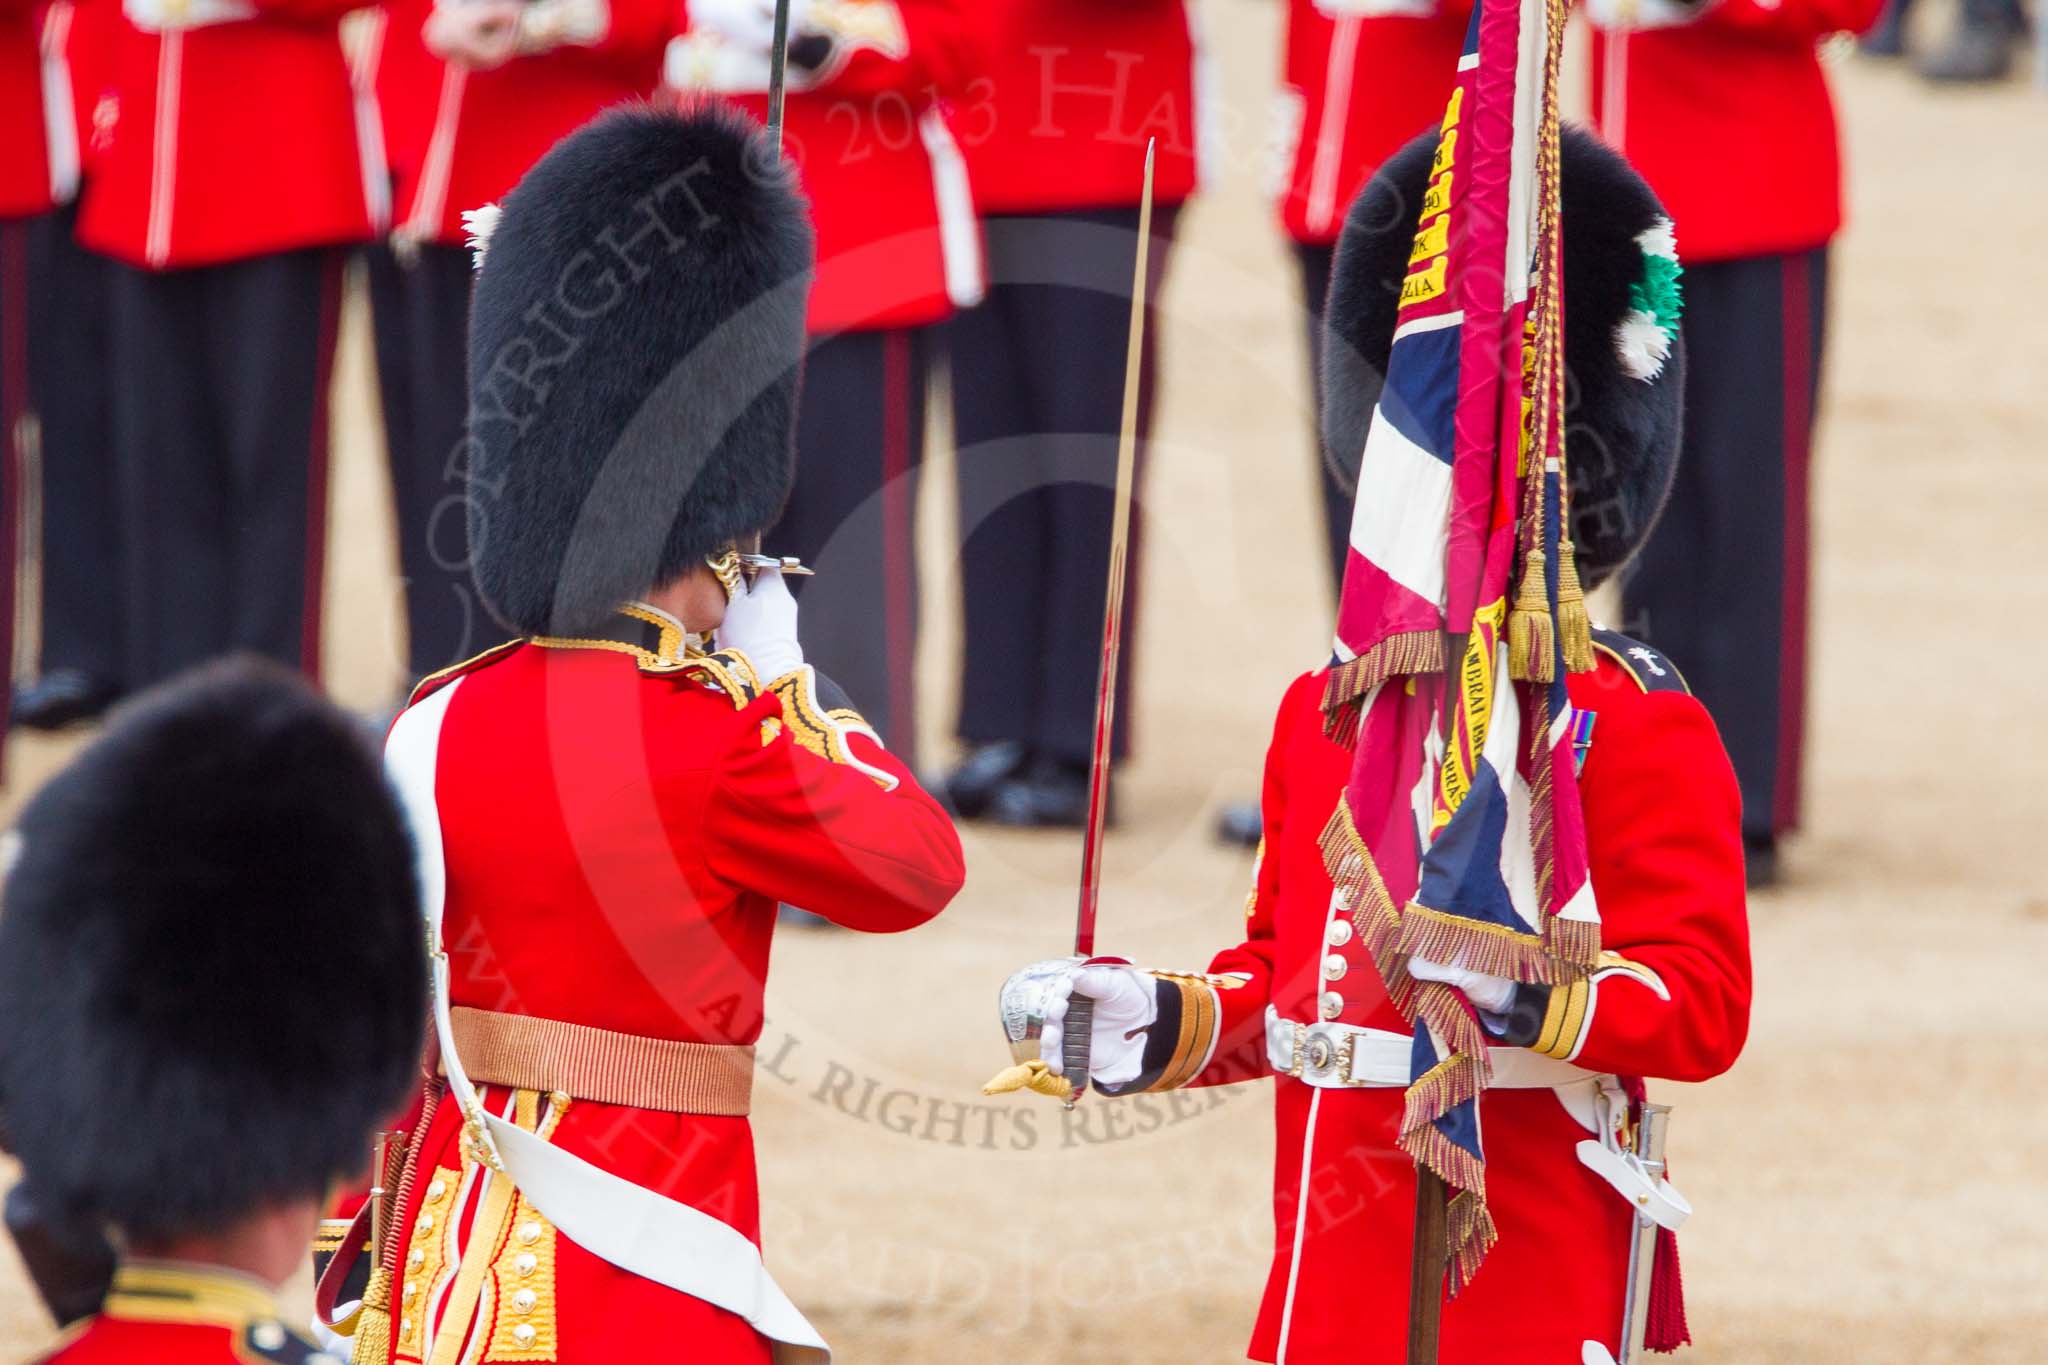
column 1346, row 1056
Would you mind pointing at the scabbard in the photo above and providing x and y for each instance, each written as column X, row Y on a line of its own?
column 69, row 1260
column 1652, row 1129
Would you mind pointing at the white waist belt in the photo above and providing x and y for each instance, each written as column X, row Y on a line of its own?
column 1346, row 1056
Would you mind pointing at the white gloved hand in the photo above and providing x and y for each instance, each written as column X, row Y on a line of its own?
column 760, row 622
column 1491, row 994
column 749, row 23
column 173, row 16
column 1125, row 1006
column 1376, row 9
column 1634, row 16
column 479, row 35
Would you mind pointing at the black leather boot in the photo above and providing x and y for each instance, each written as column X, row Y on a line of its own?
column 63, row 698
column 967, row 790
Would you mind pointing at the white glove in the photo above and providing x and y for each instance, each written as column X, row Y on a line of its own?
column 480, row 35
column 1125, row 1006
column 173, row 16
column 1634, row 16
column 1376, row 9
column 760, row 622
column 1490, row 994
column 748, row 23
column 545, row 25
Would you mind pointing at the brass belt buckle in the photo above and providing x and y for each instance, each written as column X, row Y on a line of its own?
column 1345, row 1051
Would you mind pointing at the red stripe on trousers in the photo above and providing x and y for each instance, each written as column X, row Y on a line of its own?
column 14, row 406
column 1800, row 382
column 318, row 458
column 898, row 553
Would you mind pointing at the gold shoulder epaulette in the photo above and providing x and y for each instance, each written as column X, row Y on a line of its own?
column 1652, row 669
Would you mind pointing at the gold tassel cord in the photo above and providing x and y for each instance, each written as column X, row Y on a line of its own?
column 372, row 1340
column 1574, row 623
column 1532, row 643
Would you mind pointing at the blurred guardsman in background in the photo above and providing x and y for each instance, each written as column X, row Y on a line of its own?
column 1360, row 77
column 898, row 251
column 168, row 1075
column 79, row 672
column 1725, row 109
column 238, row 161
column 608, row 815
column 1302, row 997
column 24, row 194
column 472, row 93
column 1054, row 128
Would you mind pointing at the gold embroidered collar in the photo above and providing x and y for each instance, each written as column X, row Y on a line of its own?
column 652, row 636
column 183, row 1292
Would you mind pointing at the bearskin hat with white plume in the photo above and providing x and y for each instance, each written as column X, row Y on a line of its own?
column 635, row 342
column 212, row 980
column 1624, row 361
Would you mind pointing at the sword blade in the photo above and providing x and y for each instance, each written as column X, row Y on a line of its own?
column 778, row 69
column 1113, row 597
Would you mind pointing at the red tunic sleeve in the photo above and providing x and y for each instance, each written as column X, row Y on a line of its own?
column 796, row 812
column 1664, row 825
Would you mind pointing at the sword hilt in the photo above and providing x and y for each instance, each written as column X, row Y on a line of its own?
column 1077, row 1038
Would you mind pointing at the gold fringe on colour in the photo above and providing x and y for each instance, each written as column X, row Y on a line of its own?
column 1480, row 947
column 1415, row 651
column 1471, row 1235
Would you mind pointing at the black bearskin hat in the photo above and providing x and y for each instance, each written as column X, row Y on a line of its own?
column 1624, row 365
column 213, row 984
column 635, row 342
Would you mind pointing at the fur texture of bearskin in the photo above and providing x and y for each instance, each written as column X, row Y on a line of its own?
column 212, row 980
column 636, row 340
column 1622, row 433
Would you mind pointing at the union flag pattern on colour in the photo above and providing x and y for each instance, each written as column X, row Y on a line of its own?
column 1460, row 837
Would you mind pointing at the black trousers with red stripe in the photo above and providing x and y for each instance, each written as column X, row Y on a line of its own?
column 14, row 410
column 1722, row 585
column 220, row 380
column 1314, row 261
column 82, row 550
column 1038, row 378
column 860, row 451
column 419, row 308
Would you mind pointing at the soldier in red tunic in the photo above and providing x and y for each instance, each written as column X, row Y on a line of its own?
column 211, row 993
column 1065, row 98
column 1726, row 109
column 239, row 162
column 1300, row 1000
column 607, row 814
